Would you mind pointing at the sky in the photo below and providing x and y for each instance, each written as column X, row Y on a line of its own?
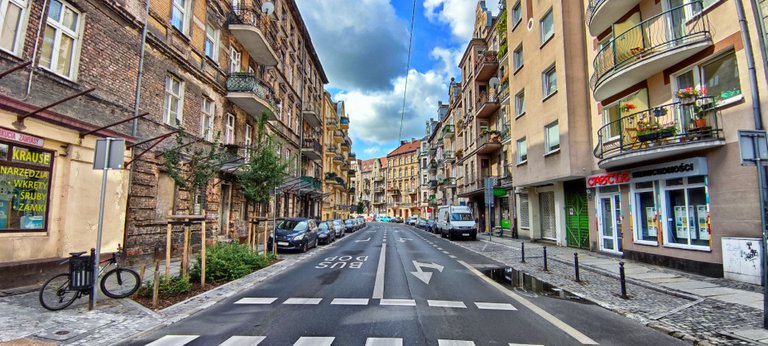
column 363, row 47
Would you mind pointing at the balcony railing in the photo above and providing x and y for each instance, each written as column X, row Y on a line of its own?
column 312, row 148
column 313, row 182
column 487, row 104
column 488, row 143
column 256, row 32
column 312, row 115
column 448, row 155
column 652, row 45
column 344, row 121
column 245, row 90
column 675, row 126
column 601, row 14
column 448, row 129
column 331, row 121
column 486, row 65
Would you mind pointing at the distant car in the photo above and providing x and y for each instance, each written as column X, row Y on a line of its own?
column 370, row 219
column 350, row 225
column 295, row 234
column 421, row 224
column 384, row 219
column 431, row 226
column 326, row 232
column 397, row 220
column 360, row 223
column 338, row 225
column 362, row 220
column 412, row 220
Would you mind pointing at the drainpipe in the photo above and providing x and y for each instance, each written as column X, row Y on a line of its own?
column 34, row 50
column 750, row 65
column 759, row 27
column 137, row 97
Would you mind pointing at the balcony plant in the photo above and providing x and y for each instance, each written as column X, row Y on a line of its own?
column 688, row 95
column 627, row 107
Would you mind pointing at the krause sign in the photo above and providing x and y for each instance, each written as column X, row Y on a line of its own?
column 669, row 170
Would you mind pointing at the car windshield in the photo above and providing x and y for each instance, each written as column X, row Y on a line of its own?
column 348, row 222
column 294, row 225
column 322, row 226
column 461, row 217
column 336, row 222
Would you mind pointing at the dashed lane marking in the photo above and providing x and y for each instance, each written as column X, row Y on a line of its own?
column 303, row 301
column 384, row 342
column 398, row 302
column 265, row 301
column 525, row 344
column 173, row 340
column 446, row 304
column 350, row 301
column 446, row 252
column 439, row 248
column 452, row 256
column 238, row 340
column 495, row 306
column 314, row 341
column 442, row 342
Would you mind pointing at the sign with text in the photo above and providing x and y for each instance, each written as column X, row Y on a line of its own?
column 20, row 137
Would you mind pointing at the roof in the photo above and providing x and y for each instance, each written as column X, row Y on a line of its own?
column 383, row 161
column 406, row 148
column 367, row 165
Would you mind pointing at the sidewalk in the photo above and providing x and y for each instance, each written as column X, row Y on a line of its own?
column 691, row 307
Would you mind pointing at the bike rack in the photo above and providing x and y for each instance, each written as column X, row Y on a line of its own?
column 80, row 272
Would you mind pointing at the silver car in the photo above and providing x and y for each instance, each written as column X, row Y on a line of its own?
column 338, row 226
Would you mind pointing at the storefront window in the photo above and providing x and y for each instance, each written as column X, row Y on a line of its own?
column 686, row 212
column 645, row 212
column 25, row 176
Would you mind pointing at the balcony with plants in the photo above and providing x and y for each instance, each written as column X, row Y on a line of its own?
column 693, row 124
column 601, row 14
column 257, row 32
column 648, row 48
column 486, row 65
column 338, row 136
column 487, row 104
column 488, row 142
column 253, row 96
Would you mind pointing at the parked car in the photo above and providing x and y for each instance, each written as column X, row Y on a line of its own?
column 362, row 220
column 326, row 232
column 295, row 234
column 430, row 226
column 338, row 225
column 382, row 218
column 370, row 219
column 350, row 225
column 456, row 221
column 411, row 220
column 421, row 224
column 396, row 220
column 360, row 223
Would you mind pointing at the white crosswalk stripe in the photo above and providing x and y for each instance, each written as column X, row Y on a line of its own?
column 442, row 342
column 173, row 340
column 303, row 301
column 495, row 306
column 384, row 342
column 238, row 340
column 446, row 304
column 511, row 344
column 314, row 341
column 398, row 302
column 265, row 301
column 350, row 301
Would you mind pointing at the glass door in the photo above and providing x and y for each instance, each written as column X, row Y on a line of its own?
column 609, row 223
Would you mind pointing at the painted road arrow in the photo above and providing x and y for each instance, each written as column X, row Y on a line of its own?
column 422, row 275
column 357, row 241
column 403, row 240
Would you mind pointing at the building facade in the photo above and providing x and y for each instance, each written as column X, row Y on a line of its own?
column 403, row 180
column 337, row 145
column 379, row 175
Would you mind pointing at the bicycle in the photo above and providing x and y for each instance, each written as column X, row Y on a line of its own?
column 63, row 289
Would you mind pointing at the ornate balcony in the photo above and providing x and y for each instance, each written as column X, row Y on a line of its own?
column 379, row 178
column 244, row 90
column 256, row 32
column 486, row 105
column 486, row 66
column 312, row 116
column 601, row 14
column 649, row 48
column 448, row 129
column 488, row 143
column 313, row 182
column 312, row 149
column 663, row 131
column 448, row 156
column 331, row 122
column 330, row 150
column 338, row 136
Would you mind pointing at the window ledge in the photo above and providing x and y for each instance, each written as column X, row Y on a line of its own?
column 547, row 41
column 725, row 103
column 553, row 152
column 514, row 26
column 519, row 115
column 521, row 163
column 689, row 247
column 646, row 242
column 517, row 69
column 549, row 96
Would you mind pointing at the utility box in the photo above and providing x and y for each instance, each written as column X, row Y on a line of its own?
column 742, row 258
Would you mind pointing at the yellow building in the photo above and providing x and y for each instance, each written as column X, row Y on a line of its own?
column 336, row 158
column 403, row 180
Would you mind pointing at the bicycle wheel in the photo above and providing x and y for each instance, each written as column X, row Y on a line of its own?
column 55, row 293
column 120, row 283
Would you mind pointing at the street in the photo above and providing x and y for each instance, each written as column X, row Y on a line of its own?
column 391, row 284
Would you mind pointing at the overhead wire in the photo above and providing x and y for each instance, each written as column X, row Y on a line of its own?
column 407, row 70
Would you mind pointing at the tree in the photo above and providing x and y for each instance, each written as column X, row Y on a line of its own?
column 360, row 208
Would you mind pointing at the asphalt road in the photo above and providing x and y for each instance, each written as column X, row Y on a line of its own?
column 391, row 284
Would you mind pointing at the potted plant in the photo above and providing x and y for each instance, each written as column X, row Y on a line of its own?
column 688, row 95
column 627, row 107
column 667, row 130
column 647, row 130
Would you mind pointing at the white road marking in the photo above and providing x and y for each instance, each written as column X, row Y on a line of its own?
column 350, row 301
column 451, row 256
column 243, row 341
column 525, row 344
column 173, row 340
column 314, row 341
column 384, row 342
column 263, row 301
column 439, row 248
column 398, row 302
column 303, row 301
column 446, row 304
column 446, row 252
column 495, row 306
column 378, row 285
column 442, row 342
column 537, row 310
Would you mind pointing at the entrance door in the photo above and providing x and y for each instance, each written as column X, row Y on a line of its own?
column 547, row 212
column 609, row 223
column 226, row 203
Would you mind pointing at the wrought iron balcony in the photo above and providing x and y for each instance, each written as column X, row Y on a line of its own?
column 331, row 122
column 244, row 90
column 648, row 48
column 601, row 14
column 312, row 115
column 663, row 131
column 314, row 183
column 486, row 66
column 256, row 32
column 330, row 177
column 312, row 149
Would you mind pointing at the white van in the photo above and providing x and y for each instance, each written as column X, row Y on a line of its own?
column 456, row 221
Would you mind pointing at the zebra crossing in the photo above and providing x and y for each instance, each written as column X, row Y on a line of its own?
column 239, row 340
column 374, row 302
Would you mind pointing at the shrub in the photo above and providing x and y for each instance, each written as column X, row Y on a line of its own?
column 229, row 261
column 168, row 286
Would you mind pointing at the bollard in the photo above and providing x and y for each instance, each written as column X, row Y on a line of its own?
column 622, row 280
column 576, row 266
column 545, row 259
column 522, row 252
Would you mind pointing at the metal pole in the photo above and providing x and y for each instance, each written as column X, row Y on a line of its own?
column 94, row 290
column 274, row 225
column 764, row 243
column 622, row 280
column 576, row 265
column 522, row 252
column 546, row 268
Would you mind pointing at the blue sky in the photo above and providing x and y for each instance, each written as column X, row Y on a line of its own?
column 363, row 46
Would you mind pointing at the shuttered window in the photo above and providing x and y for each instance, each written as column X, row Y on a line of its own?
column 525, row 221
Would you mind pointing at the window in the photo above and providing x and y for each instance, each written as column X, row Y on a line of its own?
column 644, row 206
column 212, row 42
column 61, row 43
column 248, row 140
column 517, row 14
column 206, row 123
column 174, row 101
column 236, row 6
column 721, row 76
column 517, row 57
column 547, row 27
column 26, row 173
column 180, row 14
column 235, row 58
column 549, row 81
column 12, row 25
column 522, row 151
column 229, row 129
column 696, row 9
column 686, row 212
column 552, row 137
column 288, row 119
column 520, row 103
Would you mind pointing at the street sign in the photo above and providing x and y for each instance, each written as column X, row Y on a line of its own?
column 488, row 185
column 109, row 151
column 750, row 142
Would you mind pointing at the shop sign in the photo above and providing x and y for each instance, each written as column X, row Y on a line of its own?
column 608, row 179
column 20, row 137
column 671, row 170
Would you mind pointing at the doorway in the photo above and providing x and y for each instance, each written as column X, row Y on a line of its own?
column 609, row 222
column 547, row 212
column 226, row 205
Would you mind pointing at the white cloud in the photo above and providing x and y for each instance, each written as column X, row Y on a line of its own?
column 371, row 151
column 448, row 61
column 459, row 15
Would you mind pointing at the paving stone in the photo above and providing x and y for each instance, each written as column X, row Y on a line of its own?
column 688, row 285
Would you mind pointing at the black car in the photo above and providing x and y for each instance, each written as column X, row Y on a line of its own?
column 397, row 220
column 295, row 234
column 350, row 225
column 326, row 232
